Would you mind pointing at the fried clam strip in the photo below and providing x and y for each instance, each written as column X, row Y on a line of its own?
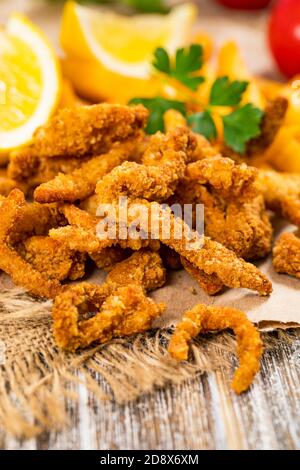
column 202, row 319
column 88, row 129
column 210, row 283
column 286, row 255
column 234, row 211
column 174, row 120
column 164, row 163
column 7, row 184
column 53, row 258
column 166, row 158
column 229, row 179
column 272, row 120
column 281, row 192
column 163, row 152
column 121, row 305
column 84, row 234
column 203, row 149
column 107, row 258
column 147, row 221
column 29, row 238
column 81, row 183
column 30, row 170
column 21, row 272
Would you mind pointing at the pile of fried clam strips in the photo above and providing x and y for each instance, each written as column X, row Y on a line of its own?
column 92, row 155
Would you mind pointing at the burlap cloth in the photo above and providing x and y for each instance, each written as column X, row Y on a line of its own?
column 36, row 379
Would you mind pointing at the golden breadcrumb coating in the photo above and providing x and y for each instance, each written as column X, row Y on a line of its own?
column 88, row 129
column 202, row 319
column 108, row 257
column 205, row 254
column 203, row 149
column 143, row 267
column 7, row 184
column 210, row 283
column 21, row 272
column 52, row 258
column 234, row 210
column 81, row 183
column 121, row 305
column 30, row 170
column 90, row 204
column 229, row 179
column 281, row 192
column 286, row 255
column 165, row 157
column 120, row 312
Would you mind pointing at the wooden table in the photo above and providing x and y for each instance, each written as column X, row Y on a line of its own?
column 204, row 413
column 200, row 414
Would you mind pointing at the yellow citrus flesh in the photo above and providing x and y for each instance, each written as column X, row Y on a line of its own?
column 123, row 44
column 95, row 83
column 30, row 82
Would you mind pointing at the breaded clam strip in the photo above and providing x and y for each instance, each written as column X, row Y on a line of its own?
column 281, row 192
column 166, row 156
column 21, row 272
column 120, row 312
column 286, row 254
column 81, row 183
column 121, row 305
column 88, row 130
column 203, row 253
column 7, row 184
column 203, row 149
column 30, row 170
column 234, row 213
column 52, row 258
column 202, row 319
column 210, row 283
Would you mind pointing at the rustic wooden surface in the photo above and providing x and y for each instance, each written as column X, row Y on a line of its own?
column 200, row 414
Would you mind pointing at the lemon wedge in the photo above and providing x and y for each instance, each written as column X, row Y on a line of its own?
column 123, row 45
column 30, row 82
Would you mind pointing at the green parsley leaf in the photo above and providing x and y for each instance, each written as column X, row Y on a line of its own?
column 203, row 123
column 157, row 107
column 187, row 62
column 226, row 93
column 147, row 6
column 242, row 125
column 161, row 60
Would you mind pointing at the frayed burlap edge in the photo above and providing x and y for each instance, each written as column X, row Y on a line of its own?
column 37, row 379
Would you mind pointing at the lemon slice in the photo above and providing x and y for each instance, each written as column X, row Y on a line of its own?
column 123, row 45
column 30, row 82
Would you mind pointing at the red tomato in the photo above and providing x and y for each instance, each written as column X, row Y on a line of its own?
column 245, row 4
column 284, row 36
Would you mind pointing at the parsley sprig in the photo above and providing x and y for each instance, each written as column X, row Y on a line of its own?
column 240, row 125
